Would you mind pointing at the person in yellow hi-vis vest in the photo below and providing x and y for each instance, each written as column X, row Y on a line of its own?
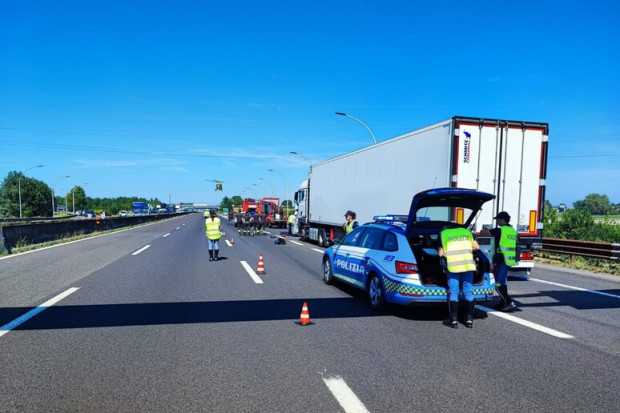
column 505, row 257
column 458, row 246
column 213, row 233
column 350, row 224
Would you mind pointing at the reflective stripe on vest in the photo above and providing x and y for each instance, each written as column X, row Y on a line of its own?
column 457, row 245
column 508, row 245
column 213, row 228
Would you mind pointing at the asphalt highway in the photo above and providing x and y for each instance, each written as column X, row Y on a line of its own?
column 140, row 320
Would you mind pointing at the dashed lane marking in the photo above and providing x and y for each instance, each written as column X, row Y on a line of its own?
column 141, row 250
column 250, row 271
column 349, row 402
column 525, row 323
column 20, row 320
column 317, row 250
column 295, row 242
column 165, row 235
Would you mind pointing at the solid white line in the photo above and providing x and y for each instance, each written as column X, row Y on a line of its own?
column 141, row 249
column 534, row 326
column 20, row 320
column 345, row 396
column 165, row 235
column 571, row 287
column 317, row 250
column 250, row 271
column 295, row 242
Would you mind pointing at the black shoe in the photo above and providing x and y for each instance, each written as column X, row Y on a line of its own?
column 451, row 323
column 508, row 307
column 469, row 322
column 453, row 308
column 499, row 305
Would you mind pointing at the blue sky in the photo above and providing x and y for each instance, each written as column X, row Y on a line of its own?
column 153, row 98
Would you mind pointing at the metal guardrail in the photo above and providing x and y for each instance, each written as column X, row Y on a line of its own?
column 591, row 249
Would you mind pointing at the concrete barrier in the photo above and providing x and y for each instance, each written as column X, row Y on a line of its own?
column 19, row 235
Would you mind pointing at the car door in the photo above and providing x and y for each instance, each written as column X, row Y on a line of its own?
column 358, row 256
column 347, row 257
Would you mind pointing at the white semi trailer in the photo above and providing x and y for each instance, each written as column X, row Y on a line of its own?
column 503, row 157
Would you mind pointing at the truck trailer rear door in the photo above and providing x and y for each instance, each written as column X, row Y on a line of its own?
column 507, row 159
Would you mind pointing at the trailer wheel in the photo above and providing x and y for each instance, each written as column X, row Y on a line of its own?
column 328, row 275
column 376, row 299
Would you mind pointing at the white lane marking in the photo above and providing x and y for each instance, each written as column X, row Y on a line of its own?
column 296, row 242
column 141, row 249
column 345, row 396
column 20, row 320
column 525, row 323
column 317, row 250
column 250, row 271
column 165, row 235
column 570, row 287
column 228, row 243
column 178, row 227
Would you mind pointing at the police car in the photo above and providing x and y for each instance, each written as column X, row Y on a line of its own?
column 394, row 259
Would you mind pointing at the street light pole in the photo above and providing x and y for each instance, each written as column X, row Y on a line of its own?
column 19, row 187
column 273, row 189
column 304, row 157
column 354, row 118
column 55, row 182
column 285, row 181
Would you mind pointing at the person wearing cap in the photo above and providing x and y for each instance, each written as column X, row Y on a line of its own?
column 350, row 223
column 213, row 233
column 505, row 257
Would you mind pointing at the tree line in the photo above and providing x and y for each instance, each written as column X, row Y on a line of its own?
column 579, row 223
column 36, row 199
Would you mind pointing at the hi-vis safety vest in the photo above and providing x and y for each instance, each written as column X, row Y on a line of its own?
column 349, row 227
column 457, row 245
column 213, row 228
column 508, row 245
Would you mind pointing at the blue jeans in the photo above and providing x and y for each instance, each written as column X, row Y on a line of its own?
column 501, row 274
column 454, row 279
column 214, row 243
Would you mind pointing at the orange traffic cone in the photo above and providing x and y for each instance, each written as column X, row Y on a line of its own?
column 261, row 265
column 304, row 318
column 232, row 241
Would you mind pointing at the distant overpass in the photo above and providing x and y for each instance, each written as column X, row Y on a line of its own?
column 201, row 207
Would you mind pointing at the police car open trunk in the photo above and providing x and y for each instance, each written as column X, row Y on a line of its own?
column 433, row 211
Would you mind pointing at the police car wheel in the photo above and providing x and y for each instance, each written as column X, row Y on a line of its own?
column 328, row 276
column 375, row 293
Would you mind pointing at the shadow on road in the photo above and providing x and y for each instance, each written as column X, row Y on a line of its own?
column 580, row 300
column 116, row 315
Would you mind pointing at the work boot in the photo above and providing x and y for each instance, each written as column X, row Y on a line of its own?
column 508, row 307
column 210, row 255
column 469, row 323
column 502, row 291
column 453, row 307
column 216, row 252
column 506, row 303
